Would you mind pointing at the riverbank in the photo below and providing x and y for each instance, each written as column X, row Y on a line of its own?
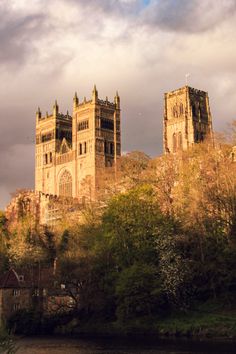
column 111, row 345
column 207, row 321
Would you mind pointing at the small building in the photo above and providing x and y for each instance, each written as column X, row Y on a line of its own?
column 15, row 294
column 32, row 289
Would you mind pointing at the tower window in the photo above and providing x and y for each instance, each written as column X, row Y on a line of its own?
column 83, row 125
column 180, row 142
column 50, row 157
column 111, row 148
column 85, row 147
column 45, row 159
column 174, row 142
column 106, row 151
column 80, row 149
column 107, row 124
column 47, row 137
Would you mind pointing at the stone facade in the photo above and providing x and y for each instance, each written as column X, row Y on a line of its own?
column 41, row 208
column 187, row 119
column 72, row 152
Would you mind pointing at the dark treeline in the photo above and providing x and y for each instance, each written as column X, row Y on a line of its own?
column 161, row 242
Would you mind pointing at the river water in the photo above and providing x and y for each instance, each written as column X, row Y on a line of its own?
column 59, row 345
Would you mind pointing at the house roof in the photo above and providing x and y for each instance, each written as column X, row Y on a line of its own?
column 27, row 278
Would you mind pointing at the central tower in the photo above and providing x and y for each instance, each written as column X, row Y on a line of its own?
column 187, row 119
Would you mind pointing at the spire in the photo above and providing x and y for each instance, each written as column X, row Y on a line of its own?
column 55, row 109
column 75, row 100
column 94, row 94
column 38, row 114
column 117, row 100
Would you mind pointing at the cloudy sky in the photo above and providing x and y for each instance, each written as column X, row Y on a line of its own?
column 51, row 48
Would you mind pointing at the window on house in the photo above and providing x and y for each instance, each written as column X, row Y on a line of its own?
column 80, row 149
column 16, row 292
column 16, row 307
column 85, row 147
column 36, row 292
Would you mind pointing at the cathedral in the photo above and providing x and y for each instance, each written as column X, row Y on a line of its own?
column 72, row 151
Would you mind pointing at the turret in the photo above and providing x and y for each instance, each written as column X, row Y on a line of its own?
column 55, row 109
column 75, row 100
column 94, row 94
column 117, row 100
column 38, row 114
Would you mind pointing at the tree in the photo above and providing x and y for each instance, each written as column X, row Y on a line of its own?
column 132, row 222
column 139, row 292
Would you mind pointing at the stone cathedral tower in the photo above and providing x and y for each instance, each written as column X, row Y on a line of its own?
column 187, row 119
column 71, row 152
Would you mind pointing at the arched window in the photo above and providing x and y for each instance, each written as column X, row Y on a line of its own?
column 181, row 109
column 174, row 142
column 65, row 184
column 180, row 141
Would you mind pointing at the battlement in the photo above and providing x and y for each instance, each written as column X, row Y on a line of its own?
column 60, row 116
column 96, row 100
column 54, row 115
column 185, row 89
column 106, row 103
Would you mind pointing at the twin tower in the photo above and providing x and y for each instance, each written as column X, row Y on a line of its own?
column 72, row 152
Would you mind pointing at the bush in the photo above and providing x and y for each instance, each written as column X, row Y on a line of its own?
column 25, row 322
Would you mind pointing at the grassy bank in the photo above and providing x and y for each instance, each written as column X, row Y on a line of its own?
column 209, row 320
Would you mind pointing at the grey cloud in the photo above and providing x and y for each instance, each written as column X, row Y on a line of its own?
column 187, row 16
column 168, row 15
column 18, row 33
column 17, row 170
column 112, row 7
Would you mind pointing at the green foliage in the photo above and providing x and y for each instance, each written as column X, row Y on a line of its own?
column 132, row 223
column 166, row 243
column 139, row 292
